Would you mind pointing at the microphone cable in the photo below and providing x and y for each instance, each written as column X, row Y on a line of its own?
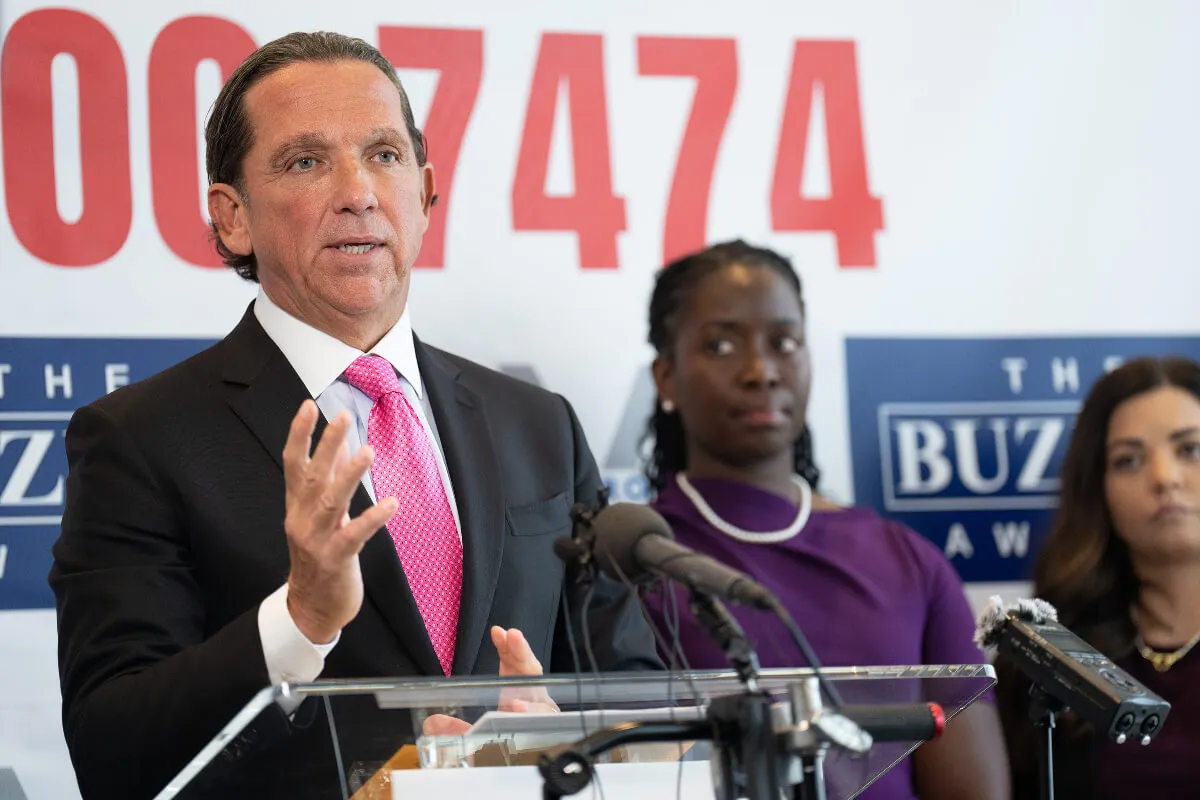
column 835, row 698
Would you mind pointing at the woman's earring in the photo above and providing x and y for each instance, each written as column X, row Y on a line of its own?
column 668, row 407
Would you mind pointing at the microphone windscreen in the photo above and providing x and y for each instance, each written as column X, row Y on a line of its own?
column 991, row 620
column 618, row 528
column 1034, row 610
column 990, row 623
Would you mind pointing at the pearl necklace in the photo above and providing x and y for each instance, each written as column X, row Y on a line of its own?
column 751, row 537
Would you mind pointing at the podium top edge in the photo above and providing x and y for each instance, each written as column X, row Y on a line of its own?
column 775, row 677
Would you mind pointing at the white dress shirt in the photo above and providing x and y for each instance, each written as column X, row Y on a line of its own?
column 320, row 359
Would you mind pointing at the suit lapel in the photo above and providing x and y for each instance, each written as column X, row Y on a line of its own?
column 475, row 475
column 271, row 396
column 272, row 392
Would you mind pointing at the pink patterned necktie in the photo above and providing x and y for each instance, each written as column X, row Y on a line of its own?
column 422, row 528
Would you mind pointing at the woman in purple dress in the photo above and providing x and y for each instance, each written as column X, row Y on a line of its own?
column 732, row 472
column 1122, row 566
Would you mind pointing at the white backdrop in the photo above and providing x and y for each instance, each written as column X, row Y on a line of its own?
column 1035, row 167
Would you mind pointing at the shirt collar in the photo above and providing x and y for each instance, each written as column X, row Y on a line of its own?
column 320, row 359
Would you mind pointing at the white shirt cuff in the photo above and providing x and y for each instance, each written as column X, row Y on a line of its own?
column 289, row 655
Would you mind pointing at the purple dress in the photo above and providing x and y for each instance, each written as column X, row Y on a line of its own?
column 866, row 592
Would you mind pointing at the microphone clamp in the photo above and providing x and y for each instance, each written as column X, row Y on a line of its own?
column 579, row 549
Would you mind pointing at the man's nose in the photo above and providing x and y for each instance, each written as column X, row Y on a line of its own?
column 355, row 189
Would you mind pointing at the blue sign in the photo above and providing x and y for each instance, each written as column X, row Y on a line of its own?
column 963, row 439
column 42, row 382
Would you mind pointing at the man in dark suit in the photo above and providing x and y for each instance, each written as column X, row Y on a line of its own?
column 209, row 549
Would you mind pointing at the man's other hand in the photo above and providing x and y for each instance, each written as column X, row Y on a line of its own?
column 516, row 659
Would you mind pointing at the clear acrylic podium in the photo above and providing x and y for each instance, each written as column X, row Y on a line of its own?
column 492, row 751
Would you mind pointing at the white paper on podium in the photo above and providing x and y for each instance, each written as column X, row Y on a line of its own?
column 503, row 722
column 654, row 781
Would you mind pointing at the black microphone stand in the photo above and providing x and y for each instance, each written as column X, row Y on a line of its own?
column 721, row 626
column 1044, row 710
column 763, row 748
column 743, row 729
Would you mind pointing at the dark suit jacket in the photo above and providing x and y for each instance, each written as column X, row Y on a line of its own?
column 173, row 535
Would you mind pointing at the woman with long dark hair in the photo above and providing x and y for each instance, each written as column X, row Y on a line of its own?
column 732, row 471
column 1122, row 566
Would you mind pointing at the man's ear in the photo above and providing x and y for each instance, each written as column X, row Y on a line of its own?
column 228, row 212
column 429, row 196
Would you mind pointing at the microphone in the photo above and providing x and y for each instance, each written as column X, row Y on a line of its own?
column 1070, row 670
column 633, row 541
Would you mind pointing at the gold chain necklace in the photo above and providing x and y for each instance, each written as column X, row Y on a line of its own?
column 1164, row 661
